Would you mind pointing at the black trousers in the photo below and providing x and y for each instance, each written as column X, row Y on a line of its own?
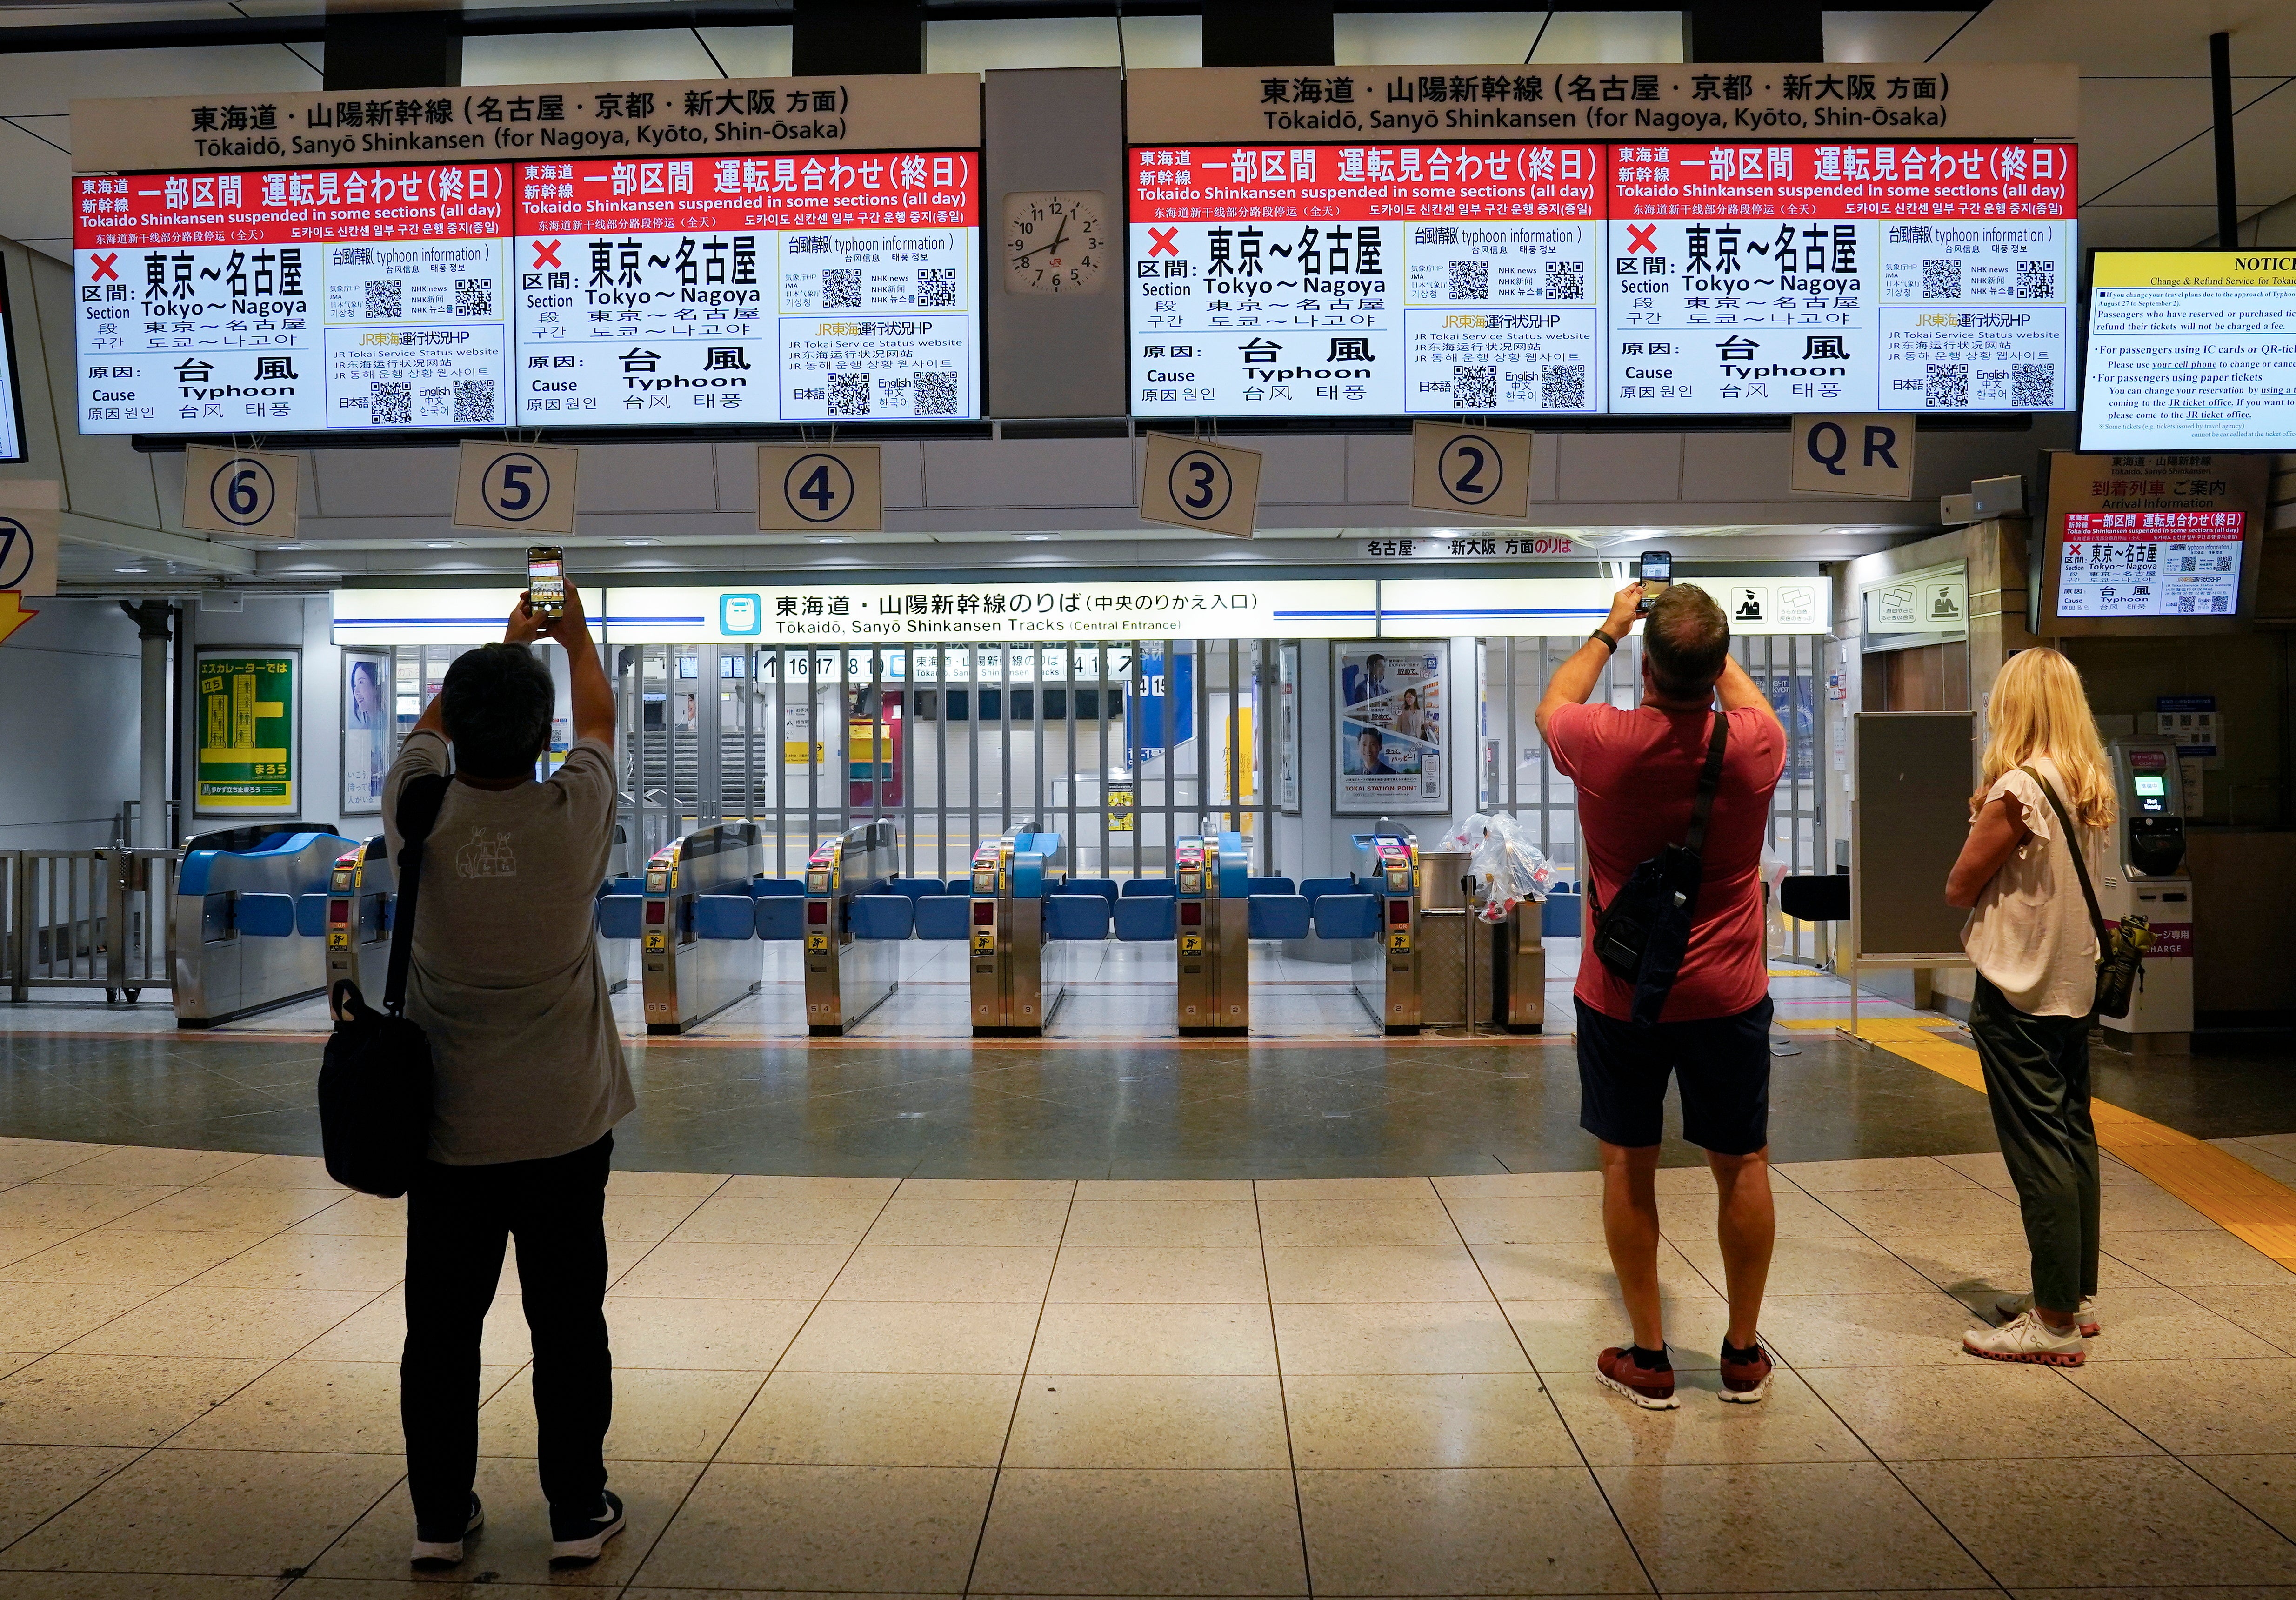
column 2036, row 1084
column 457, row 1221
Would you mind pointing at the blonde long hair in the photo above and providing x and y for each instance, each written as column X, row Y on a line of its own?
column 2039, row 709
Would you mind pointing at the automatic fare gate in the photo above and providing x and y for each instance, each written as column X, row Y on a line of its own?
column 1386, row 970
column 1213, row 922
column 1017, row 984
column 690, row 972
column 846, row 977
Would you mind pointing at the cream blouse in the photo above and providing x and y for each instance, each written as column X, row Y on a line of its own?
column 2030, row 933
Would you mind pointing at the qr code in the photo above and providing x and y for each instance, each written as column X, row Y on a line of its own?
column 1912, row 234
column 806, row 244
column 840, row 288
column 1434, row 236
column 390, row 403
column 1563, row 389
column 1470, row 280
column 1941, row 279
column 2036, row 280
column 849, row 394
column 355, row 255
column 936, row 394
column 1946, row 383
column 474, row 297
column 1566, row 280
column 385, row 297
column 936, row 287
column 2032, row 385
column 1474, row 388
column 474, row 399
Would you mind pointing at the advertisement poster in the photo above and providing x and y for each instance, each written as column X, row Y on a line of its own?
column 249, row 756
column 1391, row 728
column 366, row 749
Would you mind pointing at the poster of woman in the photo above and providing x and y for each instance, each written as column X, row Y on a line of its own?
column 1390, row 722
column 367, row 718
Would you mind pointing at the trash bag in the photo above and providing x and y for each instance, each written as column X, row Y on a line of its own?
column 1465, row 835
column 1507, row 867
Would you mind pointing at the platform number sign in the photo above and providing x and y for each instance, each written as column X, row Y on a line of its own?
column 240, row 491
column 1482, row 471
column 820, row 488
column 1193, row 483
column 28, row 551
column 516, row 489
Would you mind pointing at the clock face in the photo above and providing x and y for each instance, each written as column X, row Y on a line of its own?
column 1056, row 241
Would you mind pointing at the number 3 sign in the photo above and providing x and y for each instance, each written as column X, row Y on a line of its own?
column 1192, row 483
column 516, row 489
column 820, row 488
column 239, row 491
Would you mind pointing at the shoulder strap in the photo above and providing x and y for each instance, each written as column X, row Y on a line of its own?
column 2072, row 847
column 418, row 813
column 1710, row 779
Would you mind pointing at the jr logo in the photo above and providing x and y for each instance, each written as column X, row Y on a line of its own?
column 486, row 855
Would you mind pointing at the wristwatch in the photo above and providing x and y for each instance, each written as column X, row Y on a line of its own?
column 1610, row 642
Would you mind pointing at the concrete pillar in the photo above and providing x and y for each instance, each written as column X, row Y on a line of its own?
column 152, row 620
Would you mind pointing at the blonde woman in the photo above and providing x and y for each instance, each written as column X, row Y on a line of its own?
column 2034, row 944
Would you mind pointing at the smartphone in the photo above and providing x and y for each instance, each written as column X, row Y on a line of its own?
column 1657, row 571
column 545, row 580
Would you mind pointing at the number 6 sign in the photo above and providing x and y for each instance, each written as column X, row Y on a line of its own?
column 516, row 489
column 820, row 488
column 239, row 491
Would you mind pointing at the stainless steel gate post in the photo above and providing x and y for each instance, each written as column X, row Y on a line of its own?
column 1212, row 919
column 1006, row 954
column 1387, row 973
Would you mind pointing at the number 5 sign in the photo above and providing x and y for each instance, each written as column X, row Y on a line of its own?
column 239, row 491
column 1192, row 483
column 516, row 489
column 821, row 488
column 1485, row 471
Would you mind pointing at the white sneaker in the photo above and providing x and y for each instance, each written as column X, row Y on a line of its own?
column 2014, row 1306
column 2027, row 1338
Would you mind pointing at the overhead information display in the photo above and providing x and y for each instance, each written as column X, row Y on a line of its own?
column 2150, row 563
column 832, row 287
column 294, row 301
column 1367, row 279
column 2190, row 350
column 1864, row 277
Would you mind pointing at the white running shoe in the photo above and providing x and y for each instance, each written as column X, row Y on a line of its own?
column 437, row 1548
column 2014, row 1306
column 2027, row 1338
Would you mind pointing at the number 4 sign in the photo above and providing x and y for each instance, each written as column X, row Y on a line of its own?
column 239, row 491
column 820, row 488
column 516, row 489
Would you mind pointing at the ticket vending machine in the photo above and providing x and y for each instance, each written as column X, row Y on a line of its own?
column 847, row 978
column 689, row 974
column 1386, row 969
column 1017, row 981
column 1212, row 921
column 2144, row 874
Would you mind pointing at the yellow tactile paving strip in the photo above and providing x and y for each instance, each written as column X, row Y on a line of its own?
column 2221, row 1187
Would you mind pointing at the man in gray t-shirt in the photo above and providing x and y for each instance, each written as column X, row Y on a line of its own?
column 528, row 1079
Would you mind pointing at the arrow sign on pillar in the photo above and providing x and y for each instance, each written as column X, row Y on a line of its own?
column 13, row 614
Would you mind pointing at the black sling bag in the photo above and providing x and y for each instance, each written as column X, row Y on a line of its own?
column 374, row 1083
column 1643, row 934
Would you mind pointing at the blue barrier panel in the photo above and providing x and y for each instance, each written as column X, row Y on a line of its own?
column 768, row 888
column 725, row 916
column 781, row 916
column 623, row 886
column 1347, row 916
column 1105, row 888
column 1279, row 915
column 620, row 916
column 916, row 888
column 1559, row 918
column 961, row 884
column 1135, row 887
column 1145, row 918
column 1316, row 889
column 882, row 916
column 267, row 915
column 1076, row 916
column 944, row 916
column 311, row 915
column 1270, row 886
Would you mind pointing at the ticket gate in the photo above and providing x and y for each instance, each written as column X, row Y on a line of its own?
column 1212, row 913
column 1386, row 967
column 692, row 967
column 848, row 974
column 250, row 905
column 1018, row 977
column 362, row 896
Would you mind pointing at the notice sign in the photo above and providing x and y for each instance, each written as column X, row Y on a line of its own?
column 818, row 287
column 1367, row 279
column 1841, row 277
column 246, row 715
column 295, row 301
column 2190, row 350
column 1391, row 728
column 2150, row 563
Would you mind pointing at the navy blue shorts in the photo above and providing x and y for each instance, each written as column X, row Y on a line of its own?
column 1724, row 1063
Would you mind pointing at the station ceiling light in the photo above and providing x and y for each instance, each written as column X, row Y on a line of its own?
column 829, row 538
column 1034, row 538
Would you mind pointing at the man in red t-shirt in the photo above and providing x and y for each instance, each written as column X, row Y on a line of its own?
column 1638, row 772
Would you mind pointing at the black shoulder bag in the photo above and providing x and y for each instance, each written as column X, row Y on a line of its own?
column 2120, row 946
column 374, row 1084
column 1643, row 934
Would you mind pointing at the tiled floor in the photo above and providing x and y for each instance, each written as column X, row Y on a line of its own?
column 1337, row 1386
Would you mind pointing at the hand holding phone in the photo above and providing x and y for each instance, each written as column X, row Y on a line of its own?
column 1656, row 572
column 545, row 581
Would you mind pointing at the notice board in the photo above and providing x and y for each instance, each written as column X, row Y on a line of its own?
column 1914, row 773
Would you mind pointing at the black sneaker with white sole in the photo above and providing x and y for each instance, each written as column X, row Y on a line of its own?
column 443, row 1546
column 579, row 1540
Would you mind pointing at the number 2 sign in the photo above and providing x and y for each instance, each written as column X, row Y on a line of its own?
column 239, row 491
column 1482, row 471
column 516, row 489
column 820, row 488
